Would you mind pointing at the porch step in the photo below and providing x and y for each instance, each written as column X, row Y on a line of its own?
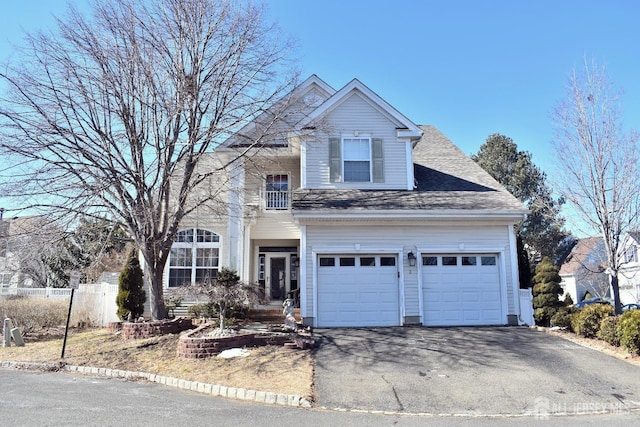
column 270, row 314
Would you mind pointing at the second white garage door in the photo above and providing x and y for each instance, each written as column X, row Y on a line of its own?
column 461, row 290
column 358, row 290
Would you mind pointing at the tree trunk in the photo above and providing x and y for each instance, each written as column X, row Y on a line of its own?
column 153, row 276
column 156, row 295
column 223, row 315
column 615, row 289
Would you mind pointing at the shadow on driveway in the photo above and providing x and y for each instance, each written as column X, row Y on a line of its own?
column 474, row 371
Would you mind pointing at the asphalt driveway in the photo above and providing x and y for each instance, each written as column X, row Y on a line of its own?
column 472, row 371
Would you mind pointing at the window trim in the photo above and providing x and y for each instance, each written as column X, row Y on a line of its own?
column 281, row 198
column 193, row 244
column 343, row 159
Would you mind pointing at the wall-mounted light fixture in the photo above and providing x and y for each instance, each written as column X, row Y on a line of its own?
column 412, row 259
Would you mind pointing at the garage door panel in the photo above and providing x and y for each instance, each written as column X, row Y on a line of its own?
column 358, row 295
column 461, row 294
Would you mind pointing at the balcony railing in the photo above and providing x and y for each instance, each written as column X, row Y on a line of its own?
column 277, row 200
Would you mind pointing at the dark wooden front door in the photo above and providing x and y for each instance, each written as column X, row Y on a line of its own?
column 278, row 278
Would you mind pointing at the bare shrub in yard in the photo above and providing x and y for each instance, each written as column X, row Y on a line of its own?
column 226, row 293
column 32, row 314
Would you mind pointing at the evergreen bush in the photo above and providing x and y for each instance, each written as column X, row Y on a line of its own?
column 568, row 301
column 609, row 330
column 546, row 291
column 131, row 295
column 586, row 321
column 628, row 331
column 562, row 318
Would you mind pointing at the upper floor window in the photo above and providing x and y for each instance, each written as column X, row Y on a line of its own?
column 277, row 191
column 356, row 158
column 194, row 257
column 631, row 254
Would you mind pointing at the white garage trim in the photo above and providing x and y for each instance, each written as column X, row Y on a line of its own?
column 462, row 251
column 359, row 251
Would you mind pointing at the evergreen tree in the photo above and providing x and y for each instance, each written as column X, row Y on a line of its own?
column 542, row 232
column 546, row 292
column 131, row 295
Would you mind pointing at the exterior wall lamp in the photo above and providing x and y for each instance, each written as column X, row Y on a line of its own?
column 412, row 259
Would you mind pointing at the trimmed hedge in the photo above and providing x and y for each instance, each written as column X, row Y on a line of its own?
column 586, row 321
column 628, row 331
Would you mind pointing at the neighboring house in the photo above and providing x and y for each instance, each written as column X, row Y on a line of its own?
column 365, row 217
column 583, row 271
column 629, row 273
column 16, row 238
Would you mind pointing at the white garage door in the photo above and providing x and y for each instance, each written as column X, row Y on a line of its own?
column 460, row 290
column 358, row 290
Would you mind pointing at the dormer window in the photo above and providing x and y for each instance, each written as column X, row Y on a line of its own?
column 356, row 159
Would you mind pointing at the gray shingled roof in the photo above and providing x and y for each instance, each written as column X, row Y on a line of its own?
column 446, row 179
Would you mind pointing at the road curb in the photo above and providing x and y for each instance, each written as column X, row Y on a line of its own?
column 266, row 397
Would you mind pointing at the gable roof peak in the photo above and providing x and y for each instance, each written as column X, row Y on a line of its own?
column 409, row 128
column 314, row 79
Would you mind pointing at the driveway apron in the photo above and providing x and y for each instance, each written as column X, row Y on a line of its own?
column 469, row 371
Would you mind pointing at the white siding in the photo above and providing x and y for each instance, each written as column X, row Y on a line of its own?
column 483, row 237
column 275, row 225
column 356, row 114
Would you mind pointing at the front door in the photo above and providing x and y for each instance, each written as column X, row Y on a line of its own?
column 278, row 277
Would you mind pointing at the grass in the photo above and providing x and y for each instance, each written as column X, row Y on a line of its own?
column 269, row 368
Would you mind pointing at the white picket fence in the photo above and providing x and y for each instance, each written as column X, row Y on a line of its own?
column 94, row 304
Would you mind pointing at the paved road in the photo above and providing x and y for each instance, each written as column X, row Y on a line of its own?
column 473, row 371
column 62, row 399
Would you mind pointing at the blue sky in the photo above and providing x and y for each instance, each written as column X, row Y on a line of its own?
column 469, row 67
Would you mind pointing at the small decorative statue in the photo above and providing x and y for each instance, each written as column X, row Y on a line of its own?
column 288, row 312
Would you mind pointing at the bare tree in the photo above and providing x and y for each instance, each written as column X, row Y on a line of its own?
column 598, row 162
column 114, row 113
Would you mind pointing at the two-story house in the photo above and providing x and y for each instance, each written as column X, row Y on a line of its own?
column 629, row 274
column 583, row 272
column 366, row 217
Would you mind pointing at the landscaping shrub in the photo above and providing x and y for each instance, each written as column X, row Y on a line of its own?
column 211, row 310
column 609, row 330
column 546, row 290
column 628, row 331
column 30, row 315
column 228, row 294
column 568, row 301
column 562, row 318
column 202, row 310
column 131, row 295
column 586, row 321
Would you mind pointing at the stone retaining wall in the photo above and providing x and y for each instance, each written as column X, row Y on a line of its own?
column 155, row 328
column 191, row 347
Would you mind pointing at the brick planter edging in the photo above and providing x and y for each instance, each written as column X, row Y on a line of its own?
column 191, row 347
column 205, row 388
column 131, row 330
